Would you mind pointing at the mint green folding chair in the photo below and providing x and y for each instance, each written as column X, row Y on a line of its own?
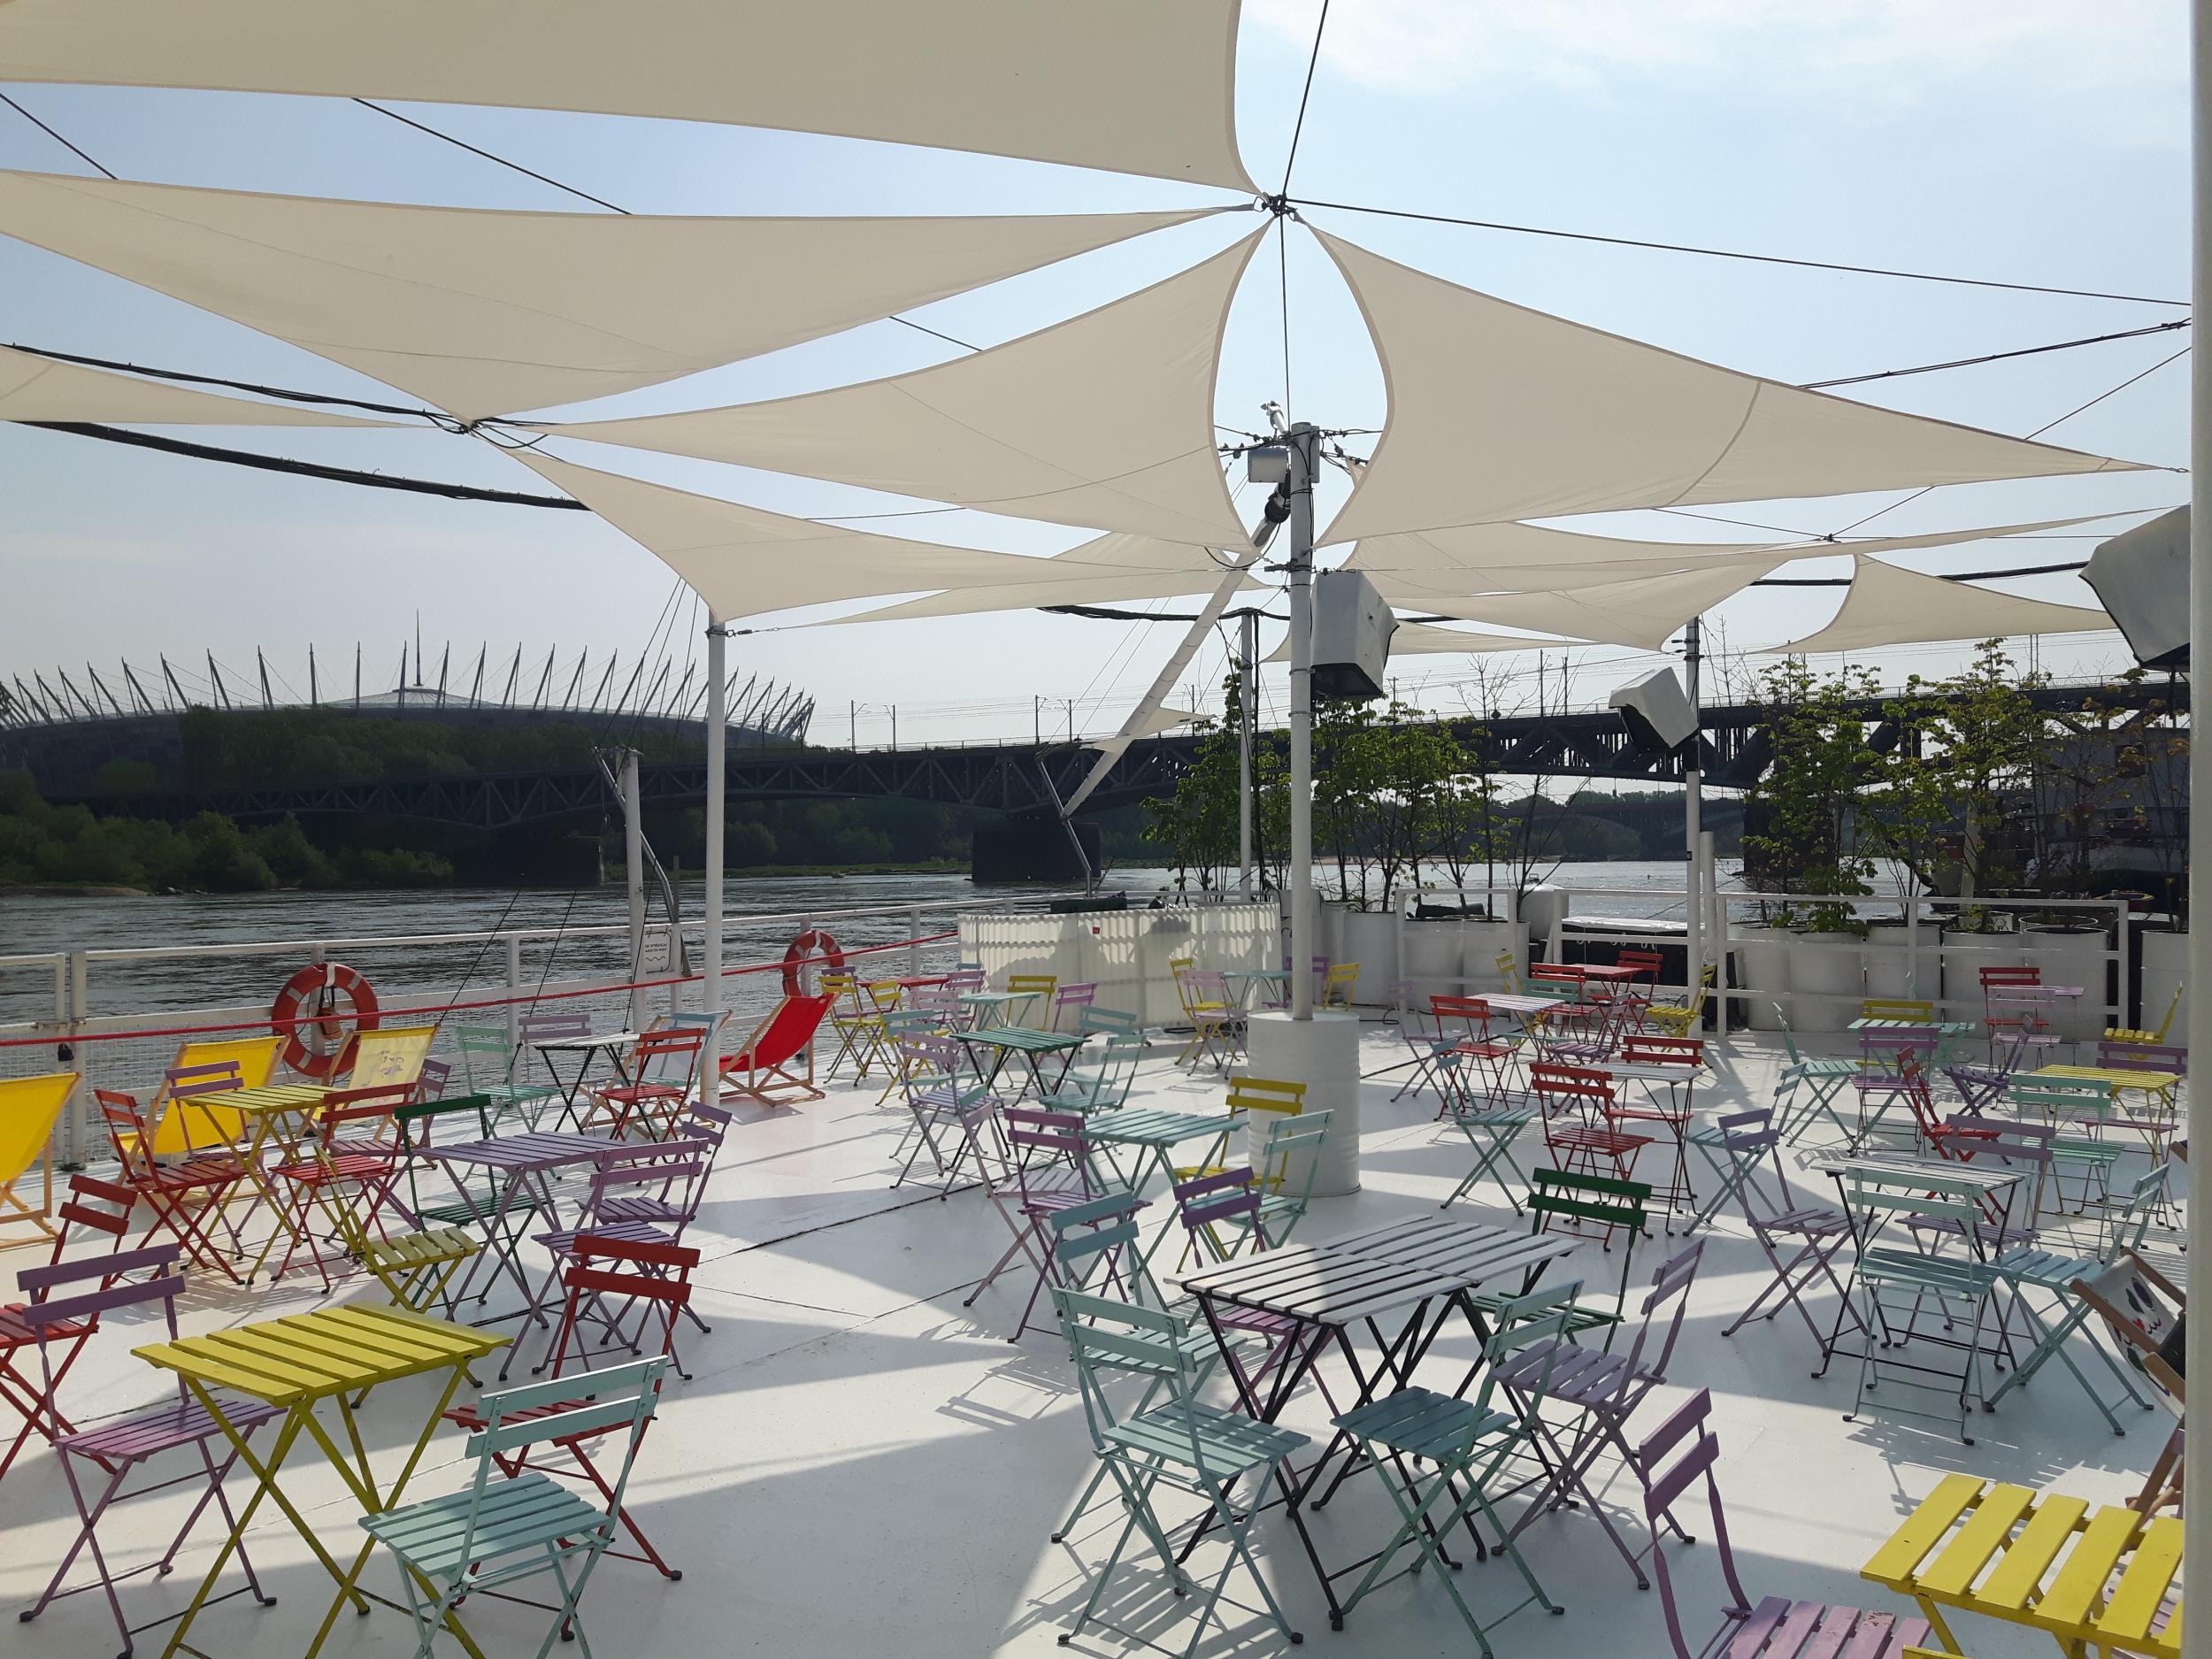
column 1288, row 1164
column 495, row 1531
column 1491, row 1130
column 1452, row 1451
column 488, row 1059
column 1101, row 1087
column 1181, row 1444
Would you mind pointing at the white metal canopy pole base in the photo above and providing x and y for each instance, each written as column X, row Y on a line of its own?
column 1323, row 1053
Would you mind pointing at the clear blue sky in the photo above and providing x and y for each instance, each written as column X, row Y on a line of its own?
column 2034, row 139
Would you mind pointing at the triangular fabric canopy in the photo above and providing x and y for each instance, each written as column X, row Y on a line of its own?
column 32, row 388
column 1139, row 86
column 1161, row 719
column 1887, row 605
column 1104, row 570
column 484, row 312
column 1415, row 638
column 1498, row 411
column 1645, row 611
column 1105, row 420
column 744, row 561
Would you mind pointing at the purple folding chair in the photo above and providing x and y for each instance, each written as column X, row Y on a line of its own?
column 1076, row 997
column 120, row 1445
column 1050, row 1171
column 1775, row 1627
column 1888, row 1063
column 1228, row 1203
column 1800, row 1243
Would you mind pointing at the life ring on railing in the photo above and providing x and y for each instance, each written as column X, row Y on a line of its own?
column 813, row 945
column 292, row 1019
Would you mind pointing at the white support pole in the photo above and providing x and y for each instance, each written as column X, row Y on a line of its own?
column 718, row 714
column 1247, row 716
column 2197, row 1449
column 633, row 878
column 1304, row 911
column 1692, row 808
column 1716, row 929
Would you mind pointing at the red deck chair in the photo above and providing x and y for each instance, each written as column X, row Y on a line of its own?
column 663, row 1068
column 1579, row 1114
column 104, row 1207
column 347, row 1174
column 604, row 1272
column 760, row 1068
column 187, row 1197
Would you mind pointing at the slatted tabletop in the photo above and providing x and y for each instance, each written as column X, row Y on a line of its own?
column 1979, row 1177
column 1364, row 1275
column 329, row 1351
column 540, row 1150
column 1152, row 1126
column 2106, row 1576
column 1023, row 1041
column 2119, row 1079
column 588, row 1041
column 270, row 1098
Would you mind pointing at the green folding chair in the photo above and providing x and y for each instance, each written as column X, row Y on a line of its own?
column 1823, row 1082
column 1181, row 1444
column 1575, row 1196
column 2079, row 1104
column 488, row 1058
column 1451, row 1450
column 1101, row 1087
column 1491, row 1130
column 497, row 1530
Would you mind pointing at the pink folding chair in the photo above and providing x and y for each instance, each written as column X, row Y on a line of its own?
column 1050, row 1171
column 1071, row 999
column 1775, row 1627
column 120, row 1445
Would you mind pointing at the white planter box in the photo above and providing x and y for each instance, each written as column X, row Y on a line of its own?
column 1964, row 957
column 1763, row 964
column 2068, row 957
column 1891, row 964
column 1370, row 939
column 1826, row 982
column 1433, row 954
column 1482, row 943
column 1125, row 952
column 2165, row 968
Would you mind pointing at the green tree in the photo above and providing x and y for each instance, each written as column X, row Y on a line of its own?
column 1968, row 752
column 1797, row 816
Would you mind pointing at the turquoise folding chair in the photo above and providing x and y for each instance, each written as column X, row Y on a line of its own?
column 1288, row 1164
column 1101, row 1087
column 1181, row 1444
column 495, row 1532
column 1091, row 1020
column 1491, row 1130
column 488, row 1059
column 1823, row 1082
column 1452, row 1450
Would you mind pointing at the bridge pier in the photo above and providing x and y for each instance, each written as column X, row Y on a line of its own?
column 1031, row 847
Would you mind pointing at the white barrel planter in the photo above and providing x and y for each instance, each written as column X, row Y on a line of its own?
column 1891, row 963
column 1763, row 964
column 1482, row 943
column 1323, row 1053
column 1433, row 953
column 2072, row 955
column 1826, row 980
column 1370, row 939
column 2165, row 968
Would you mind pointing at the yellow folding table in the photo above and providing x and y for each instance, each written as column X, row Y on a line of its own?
column 278, row 1112
column 2098, row 1580
column 330, row 1356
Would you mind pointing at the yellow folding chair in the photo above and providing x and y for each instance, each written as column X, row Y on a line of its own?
column 1510, row 972
column 29, row 1108
column 1336, row 989
column 1679, row 1021
column 2123, row 1033
column 1911, row 1011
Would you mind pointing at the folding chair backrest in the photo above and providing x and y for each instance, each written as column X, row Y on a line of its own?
column 1096, row 1244
column 1650, row 961
column 928, row 1061
column 417, row 1121
column 1289, row 1141
column 1669, row 1284
column 488, row 1058
column 346, row 1113
column 1340, row 978
column 626, row 1269
column 964, row 980
column 1509, row 972
column 1637, row 1049
column 1569, row 1087
column 1225, row 1197
column 702, row 1120
column 1041, row 1139
column 1577, row 1195
column 1539, row 1317
column 1077, row 997
column 1556, row 974
column 1204, row 987
column 1264, row 1095
column 1042, row 985
column 2127, row 1221
column 669, row 1056
column 1889, row 1048
column 1907, row 1009
column 1912, row 1192
column 1473, row 1011
column 1667, row 1464
column 675, row 1181
column 1117, row 1073
column 67, row 1293
column 188, row 1112
column 1093, row 1020
column 2142, row 1057
column 129, row 1135
column 102, row 1206
column 623, row 1397
column 554, row 1025
column 2060, row 1099
column 1107, row 1339
column 1789, row 1037
column 435, row 1075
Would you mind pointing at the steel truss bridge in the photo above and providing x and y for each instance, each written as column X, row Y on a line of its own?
column 1016, row 779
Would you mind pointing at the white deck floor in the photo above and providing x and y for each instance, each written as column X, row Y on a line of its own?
column 862, row 1466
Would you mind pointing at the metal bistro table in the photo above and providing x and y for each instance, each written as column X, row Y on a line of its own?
column 1154, row 1133
column 586, row 1047
column 523, row 1165
column 328, row 1355
column 994, row 1009
column 1412, row 1274
column 1033, row 1046
column 1949, row 1033
column 1250, row 980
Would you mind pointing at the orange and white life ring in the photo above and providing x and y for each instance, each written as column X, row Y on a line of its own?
column 810, row 949
column 308, row 1004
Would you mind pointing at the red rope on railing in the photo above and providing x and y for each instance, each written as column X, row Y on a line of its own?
column 776, row 966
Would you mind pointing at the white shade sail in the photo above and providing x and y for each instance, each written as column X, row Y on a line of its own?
column 1498, row 411
column 1105, row 569
column 1139, row 86
column 1887, row 605
column 744, row 561
column 1161, row 719
column 1415, row 639
column 1646, row 610
column 1105, row 420
column 32, row 388
column 484, row 312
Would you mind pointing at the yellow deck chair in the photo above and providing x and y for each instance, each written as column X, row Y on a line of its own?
column 2121, row 1033
column 197, row 1125
column 1038, row 987
column 390, row 1055
column 29, row 1108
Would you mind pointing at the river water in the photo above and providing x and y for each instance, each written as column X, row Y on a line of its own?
column 30, row 925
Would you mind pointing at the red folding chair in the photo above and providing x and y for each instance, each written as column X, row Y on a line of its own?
column 664, row 1066
column 1579, row 1126
column 120, row 1446
column 1685, row 1058
column 104, row 1207
column 1464, row 1022
column 656, row 1278
column 187, row 1197
column 348, row 1176
column 2022, row 1026
column 763, row 1067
